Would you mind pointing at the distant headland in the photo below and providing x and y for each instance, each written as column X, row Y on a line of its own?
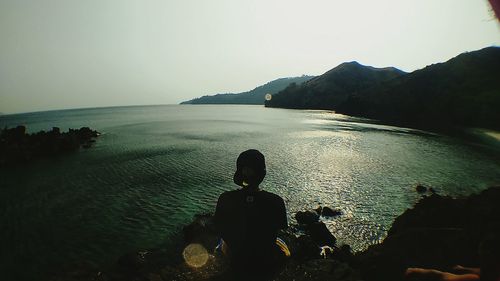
column 255, row 96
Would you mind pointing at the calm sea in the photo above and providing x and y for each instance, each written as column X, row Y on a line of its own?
column 154, row 167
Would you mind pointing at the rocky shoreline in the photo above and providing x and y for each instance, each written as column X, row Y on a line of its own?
column 438, row 232
column 17, row 146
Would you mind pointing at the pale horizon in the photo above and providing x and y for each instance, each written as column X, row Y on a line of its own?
column 68, row 54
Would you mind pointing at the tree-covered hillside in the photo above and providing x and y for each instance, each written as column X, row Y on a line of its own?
column 332, row 88
column 462, row 92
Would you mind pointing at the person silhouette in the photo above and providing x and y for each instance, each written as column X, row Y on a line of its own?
column 248, row 219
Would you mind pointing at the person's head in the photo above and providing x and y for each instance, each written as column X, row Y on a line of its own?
column 250, row 168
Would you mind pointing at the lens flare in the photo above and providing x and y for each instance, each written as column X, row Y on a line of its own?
column 195, row 255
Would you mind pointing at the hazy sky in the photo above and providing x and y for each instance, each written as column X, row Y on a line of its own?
column 58, row 54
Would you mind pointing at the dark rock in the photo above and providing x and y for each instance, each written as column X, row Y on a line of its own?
column 306, row 217
column 133, row 260
column 321, row 267
column 420, row 247
column 343, row 253
column 438, row 232
column 328, row 212
column 420, row 188
column 343, row 271
column 78, row 271
column 306, row 248
column 318, row 270
column 16, row 146
column 19, row 131
column 321, row 235
column 202, row 230
column 140, row 265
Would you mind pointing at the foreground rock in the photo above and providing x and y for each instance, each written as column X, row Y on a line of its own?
column 306, row 217
column 438, row 232
column 17, row 146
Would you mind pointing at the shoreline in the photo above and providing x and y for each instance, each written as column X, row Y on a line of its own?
column 172, row 253
column 438, row 232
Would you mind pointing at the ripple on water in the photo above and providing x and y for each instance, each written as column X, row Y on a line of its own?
column 156, row 167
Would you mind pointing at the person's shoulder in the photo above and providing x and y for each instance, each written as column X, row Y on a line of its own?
column 229, row 194
column 271, row 196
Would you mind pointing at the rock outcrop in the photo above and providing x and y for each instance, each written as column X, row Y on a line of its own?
column 306, row 217
column 438, row 232
column 328, row 212
column 17, row 146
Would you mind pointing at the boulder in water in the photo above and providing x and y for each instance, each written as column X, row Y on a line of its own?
column 329, row 212
column 420, row 188
column 306, row 217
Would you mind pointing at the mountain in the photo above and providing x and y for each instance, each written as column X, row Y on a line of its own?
column 255, row 96
column 333, row 87
column 462, row 92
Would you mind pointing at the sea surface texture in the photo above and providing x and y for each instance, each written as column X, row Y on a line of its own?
column 155, row 167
